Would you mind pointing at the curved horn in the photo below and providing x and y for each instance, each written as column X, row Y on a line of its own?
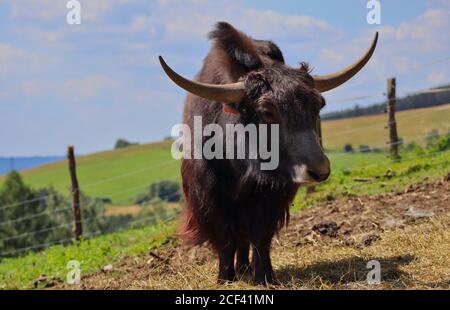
column 228, row 93
column 327, row 82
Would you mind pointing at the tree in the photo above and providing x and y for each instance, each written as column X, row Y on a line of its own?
column 122, row 143
column 33, row 219
column 164, row 190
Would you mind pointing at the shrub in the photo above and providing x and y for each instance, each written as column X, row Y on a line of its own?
column 164, row 190
column 348, row 148
column 122, row 143
column 431, row 138
column 439, row 144
column 364, row 148
column 415, row 148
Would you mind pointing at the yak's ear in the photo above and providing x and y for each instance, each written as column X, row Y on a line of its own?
column 238, row 48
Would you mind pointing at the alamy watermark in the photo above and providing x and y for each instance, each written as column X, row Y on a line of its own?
column 374, row 14
column 73, row 276
column 374, row 275
column 74, row 15
column 240, row 142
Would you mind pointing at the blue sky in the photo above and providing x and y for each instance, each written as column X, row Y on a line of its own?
column 93, row 83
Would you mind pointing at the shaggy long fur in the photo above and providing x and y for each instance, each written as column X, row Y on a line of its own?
column 232, row 204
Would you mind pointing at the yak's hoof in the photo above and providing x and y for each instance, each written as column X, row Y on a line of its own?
column 226, row 277
column 266, row 280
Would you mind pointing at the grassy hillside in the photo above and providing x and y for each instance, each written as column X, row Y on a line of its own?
column 119, row 174
column 412, row 125
column 122, row 174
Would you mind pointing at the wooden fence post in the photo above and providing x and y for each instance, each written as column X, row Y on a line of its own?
column 78, row 228
column 392, row 123
column 312, row 189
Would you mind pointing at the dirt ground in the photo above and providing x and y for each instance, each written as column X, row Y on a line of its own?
column 325, row 247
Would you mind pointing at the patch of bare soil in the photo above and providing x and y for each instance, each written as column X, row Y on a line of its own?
column 360, row 221
column 324, row 247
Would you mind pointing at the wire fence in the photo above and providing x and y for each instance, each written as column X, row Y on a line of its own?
column 70, row 224
column 45, row 245
column 146, row 185
column 130, row 225
column 139, row 220
column 142, row 221
column 89, row 185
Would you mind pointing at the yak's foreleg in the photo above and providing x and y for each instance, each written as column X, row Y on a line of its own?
column 242, row 261
column 226, row 263
column 261, row 264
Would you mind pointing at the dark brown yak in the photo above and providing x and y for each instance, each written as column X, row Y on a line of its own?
column 232, row 204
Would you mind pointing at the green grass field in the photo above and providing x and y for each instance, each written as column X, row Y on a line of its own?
column 412, row 125
column 119, row 174
column 122, row 174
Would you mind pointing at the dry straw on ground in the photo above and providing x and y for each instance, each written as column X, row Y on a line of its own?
column 325, row 247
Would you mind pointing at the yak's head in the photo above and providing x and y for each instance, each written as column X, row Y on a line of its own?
column 256, row 84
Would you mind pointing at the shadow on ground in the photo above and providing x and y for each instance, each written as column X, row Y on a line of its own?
column 343, row 272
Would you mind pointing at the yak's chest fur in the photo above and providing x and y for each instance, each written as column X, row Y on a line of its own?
column 220, row 205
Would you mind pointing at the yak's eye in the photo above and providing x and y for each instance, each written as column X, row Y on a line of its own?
column 322, row 103
column 267, row 115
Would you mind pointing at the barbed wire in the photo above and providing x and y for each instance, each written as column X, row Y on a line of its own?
column 16, row 204
column 172, row 216
column 419, row 66
column 155, row 216
column 424, row 65
column 28, row 217
column 98, row 232
column 37, row 232
column 45, row 245
column 166, row 163
column 399, row 119
column 90, row 184
column 72, row 222
column 409, row 158
column 380, row 147
column 334, row 154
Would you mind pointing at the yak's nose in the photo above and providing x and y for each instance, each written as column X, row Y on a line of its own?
column 319, row 170
column 319, row 176
column 311, row 173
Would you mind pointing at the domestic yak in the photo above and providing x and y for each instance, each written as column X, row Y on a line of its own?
column 232, row 204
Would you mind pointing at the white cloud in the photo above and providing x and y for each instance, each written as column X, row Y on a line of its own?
column 403, row 51
column 15, row 61
column 192, row 20
column 45, row 10
column 437, row 78
column 41, row 35
column 88, row 87
column 274, row 24
column 31, row 87
column 55, row 10
column 331, row 56
column 427, row 33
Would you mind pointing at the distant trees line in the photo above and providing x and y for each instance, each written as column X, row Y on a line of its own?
column 422, row 100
